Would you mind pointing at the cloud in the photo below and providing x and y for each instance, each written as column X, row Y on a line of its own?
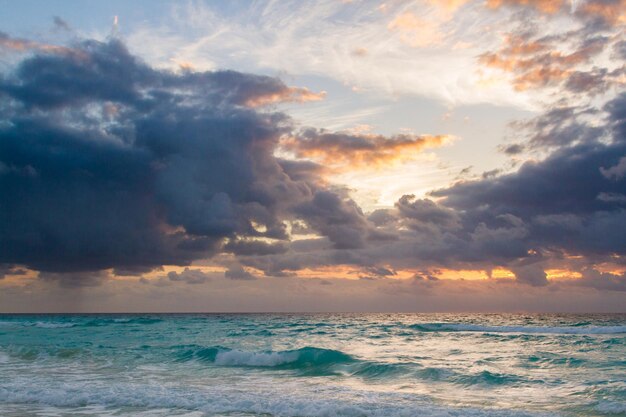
column 555, row 212
column 11, row 270
column 560, row 126
column 532, row 274
column 425, row 212
column 340, row 219
column 603, row 280
column 417, row 31
column 60, row 24
column 290, row 94
column 237, row 272
column 23, row 45
column 344, row 150
column 561, row 46
column 109, row 163
column 544, row 6
column 558, row 196
column 75, row 279
column 602, row 12
column 609, row 12
column 616, row 172
column 314, row 43
column 189, row 276
column 612, row 197
column 92, row 71
column 254, row 247
column 180, row 164
column 538, row 63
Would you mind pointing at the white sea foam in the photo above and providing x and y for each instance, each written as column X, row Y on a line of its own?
column 522, row 329
column 277, row 401
column 52, row 325
column 610, row 407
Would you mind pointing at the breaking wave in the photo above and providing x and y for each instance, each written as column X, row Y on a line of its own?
column 306, row 357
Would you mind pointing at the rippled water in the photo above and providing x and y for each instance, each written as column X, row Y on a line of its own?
column 313, row 365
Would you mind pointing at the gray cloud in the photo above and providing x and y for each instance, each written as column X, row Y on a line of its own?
column 9, row 270
column 75, row 279
column 189, row 276
column 341, row 220
column 532, row 274
column 254, row 247
column 616, row 172
column 237, row 272
column 60, row 24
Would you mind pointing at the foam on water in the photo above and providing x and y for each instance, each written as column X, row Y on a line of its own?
column 457, row 327
column 609, row 407
column 52, row 325
column 276, row 401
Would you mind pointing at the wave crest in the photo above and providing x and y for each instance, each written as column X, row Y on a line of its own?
column 306, row 357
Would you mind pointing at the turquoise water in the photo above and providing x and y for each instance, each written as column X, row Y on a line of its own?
column 313, row 365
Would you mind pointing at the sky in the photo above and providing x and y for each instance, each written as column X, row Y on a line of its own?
column 250, row 156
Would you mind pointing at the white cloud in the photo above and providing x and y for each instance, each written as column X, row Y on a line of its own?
column 319, row 40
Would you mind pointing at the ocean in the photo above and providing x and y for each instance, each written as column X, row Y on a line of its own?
column 314, row 365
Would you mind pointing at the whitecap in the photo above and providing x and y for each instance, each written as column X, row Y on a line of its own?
column 52, row 325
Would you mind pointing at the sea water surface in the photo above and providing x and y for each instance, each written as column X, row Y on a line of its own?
column 313, row 365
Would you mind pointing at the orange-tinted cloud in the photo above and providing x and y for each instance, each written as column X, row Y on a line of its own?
column 612, row 12
column 545, row 6
column 287, row 95
column 23, row 45
column 416, row 31
column 536, row 63
column 347, row 150
column 450, row 6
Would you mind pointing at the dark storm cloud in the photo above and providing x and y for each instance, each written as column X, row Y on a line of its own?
column 254, row 247
column 557, row 199
column 339, row 219
column 424, row 213
column 108, row 163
